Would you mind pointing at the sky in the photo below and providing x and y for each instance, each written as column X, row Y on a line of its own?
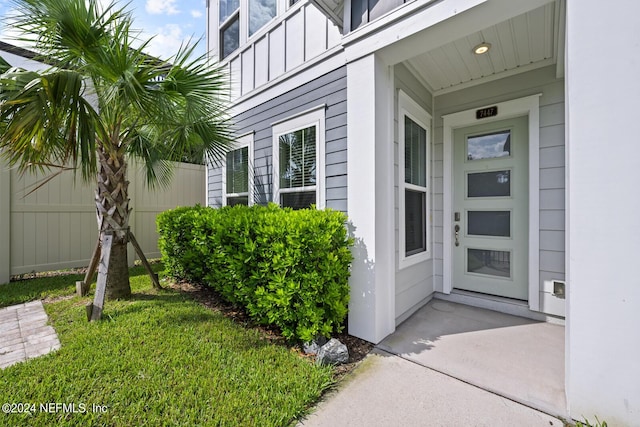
column 171, row 22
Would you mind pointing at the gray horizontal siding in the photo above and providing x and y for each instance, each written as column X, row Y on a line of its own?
column 330, row 90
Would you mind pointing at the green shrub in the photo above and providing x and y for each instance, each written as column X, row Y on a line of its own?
column 287, row 268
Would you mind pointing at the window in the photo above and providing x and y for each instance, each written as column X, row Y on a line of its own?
column 240, row 19
column 260, row 12
column 229, row 26
column 364, row 11
column 413, row 180
column 238, row 175
column 298, row 147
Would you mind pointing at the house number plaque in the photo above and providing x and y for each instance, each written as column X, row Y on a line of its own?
column 484, row 113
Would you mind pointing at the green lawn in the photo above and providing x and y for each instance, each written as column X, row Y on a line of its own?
column 157, row 359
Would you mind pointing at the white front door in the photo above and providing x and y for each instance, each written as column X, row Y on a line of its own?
column 491, row 203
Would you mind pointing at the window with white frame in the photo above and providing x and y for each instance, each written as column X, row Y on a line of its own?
column 238, row 20
column 414, row 147
column 237, row 175
column 298, row 160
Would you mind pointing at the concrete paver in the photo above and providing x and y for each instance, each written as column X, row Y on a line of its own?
column 24, row 333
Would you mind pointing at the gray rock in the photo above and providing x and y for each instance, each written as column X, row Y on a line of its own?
column 310, row 347
column 332, row 353
column 313, row 347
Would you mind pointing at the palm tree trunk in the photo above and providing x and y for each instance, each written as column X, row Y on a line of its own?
column 112, row 210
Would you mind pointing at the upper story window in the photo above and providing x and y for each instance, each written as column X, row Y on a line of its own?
column 299, row 161
column 364, row 11
column 241, row 19
column 260, row 12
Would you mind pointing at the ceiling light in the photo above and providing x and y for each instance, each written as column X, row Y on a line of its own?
column 482, row 48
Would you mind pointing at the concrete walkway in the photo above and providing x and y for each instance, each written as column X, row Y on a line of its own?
column 24, row 333
column 452, row 365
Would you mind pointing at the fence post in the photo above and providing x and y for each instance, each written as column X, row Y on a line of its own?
column 5, row 223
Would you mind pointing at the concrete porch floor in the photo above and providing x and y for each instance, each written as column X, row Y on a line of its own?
column 451, row 365
column 514, row 357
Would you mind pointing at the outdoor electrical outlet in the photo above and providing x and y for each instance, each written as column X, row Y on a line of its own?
column 558, row 288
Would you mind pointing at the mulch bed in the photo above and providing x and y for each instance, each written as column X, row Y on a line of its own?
column 358, row 348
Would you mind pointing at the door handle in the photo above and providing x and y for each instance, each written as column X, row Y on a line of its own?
column 457, row 234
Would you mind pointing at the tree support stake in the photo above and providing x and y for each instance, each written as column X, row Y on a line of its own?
column 143, row 259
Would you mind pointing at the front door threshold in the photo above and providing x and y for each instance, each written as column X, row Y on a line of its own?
column 496, row 303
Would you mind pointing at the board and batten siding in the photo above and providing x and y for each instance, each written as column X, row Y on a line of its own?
column 413, row 284
column 552, row 169
column 329, row 90
column 55, row 226
column 291, row 40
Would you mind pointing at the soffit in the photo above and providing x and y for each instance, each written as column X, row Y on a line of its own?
column 520, row 43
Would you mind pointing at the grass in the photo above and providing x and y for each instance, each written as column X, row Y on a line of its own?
column 157, row 359
column 40, row 288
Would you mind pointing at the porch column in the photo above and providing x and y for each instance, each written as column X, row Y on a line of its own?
column 5, row 223
column 371, row 197
column 603, row 241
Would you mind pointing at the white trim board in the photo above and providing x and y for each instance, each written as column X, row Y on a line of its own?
column 313, row 117
column 527, row 106
column 410, row 108
column 245, row 140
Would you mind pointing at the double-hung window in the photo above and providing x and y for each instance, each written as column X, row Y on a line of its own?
column 229, row 17
column 414, row 147
column 238, row 20
column 298, row 147
column 238, row 176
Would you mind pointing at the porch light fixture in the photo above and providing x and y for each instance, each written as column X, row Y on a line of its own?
column 482, row 48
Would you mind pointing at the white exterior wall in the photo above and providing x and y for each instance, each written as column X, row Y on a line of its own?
column 603, row 100
column 369, row 190
column 55, row 227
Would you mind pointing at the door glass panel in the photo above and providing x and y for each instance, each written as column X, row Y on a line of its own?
column 489, row 223
column 489, row 184
column 488, row 262
column 489, row 146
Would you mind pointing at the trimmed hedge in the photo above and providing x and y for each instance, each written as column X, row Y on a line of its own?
column 287, row 268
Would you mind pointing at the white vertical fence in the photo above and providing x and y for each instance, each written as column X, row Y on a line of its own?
column 55, row 227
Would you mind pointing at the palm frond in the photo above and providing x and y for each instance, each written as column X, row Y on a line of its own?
column 47, row 120
column 158, row 111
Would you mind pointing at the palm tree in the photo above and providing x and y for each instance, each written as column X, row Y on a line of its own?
column 104, row 101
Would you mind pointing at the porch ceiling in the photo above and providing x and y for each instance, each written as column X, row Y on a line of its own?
column 521, row 43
